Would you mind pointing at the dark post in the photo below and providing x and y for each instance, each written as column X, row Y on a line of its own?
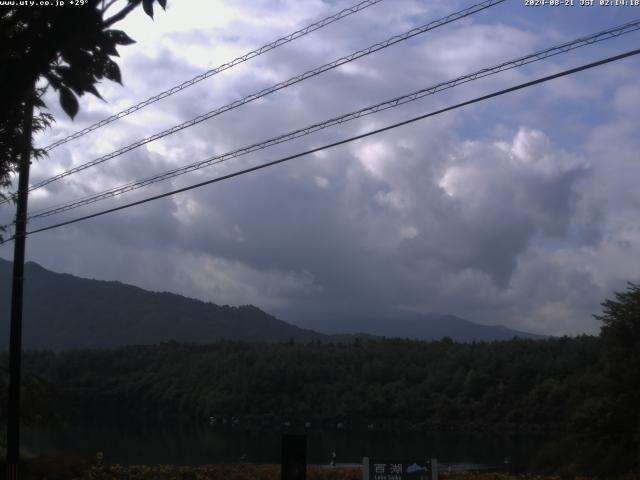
column 15, row 341
column 294, row 457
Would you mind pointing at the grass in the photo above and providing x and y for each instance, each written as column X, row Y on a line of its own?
column 78, row 468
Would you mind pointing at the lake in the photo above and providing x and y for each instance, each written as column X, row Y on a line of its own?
column 206, row 445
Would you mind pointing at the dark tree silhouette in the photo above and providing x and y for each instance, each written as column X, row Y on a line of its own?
column 620, row 333
column 621, row 320
column 69, row 49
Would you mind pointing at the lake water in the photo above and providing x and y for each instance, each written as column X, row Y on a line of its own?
column 207, row 445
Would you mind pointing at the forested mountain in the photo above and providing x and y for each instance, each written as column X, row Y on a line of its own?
column 562, row 388
column 420, row 327
column 586, row 390
column 62, row 311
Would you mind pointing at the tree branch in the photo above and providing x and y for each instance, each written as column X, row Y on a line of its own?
column 107, row 6
column 122, row 13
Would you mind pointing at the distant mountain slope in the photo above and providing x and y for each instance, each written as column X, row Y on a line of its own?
column 63, row 311
column 423, row 327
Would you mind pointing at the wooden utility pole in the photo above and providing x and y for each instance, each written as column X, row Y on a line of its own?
column 15, row 339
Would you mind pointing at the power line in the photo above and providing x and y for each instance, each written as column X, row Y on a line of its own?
column 279, row 86
column 392, row 103
column 221, row 68
column 341, row 142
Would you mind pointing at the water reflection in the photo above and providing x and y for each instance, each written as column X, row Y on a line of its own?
column 206, row 445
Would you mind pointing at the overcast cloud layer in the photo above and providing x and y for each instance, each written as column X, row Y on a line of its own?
column 522, row 210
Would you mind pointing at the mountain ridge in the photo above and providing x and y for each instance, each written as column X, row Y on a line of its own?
column 425, row 327
column 63, row 311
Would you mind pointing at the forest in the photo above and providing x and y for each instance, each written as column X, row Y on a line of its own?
column 585, row 389
column 556, row 385
column 516, row 384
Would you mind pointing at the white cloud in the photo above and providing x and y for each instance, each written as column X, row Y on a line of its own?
column 321, row 182
column 519, row 211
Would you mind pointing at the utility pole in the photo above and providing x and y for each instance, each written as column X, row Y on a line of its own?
column 15, row 339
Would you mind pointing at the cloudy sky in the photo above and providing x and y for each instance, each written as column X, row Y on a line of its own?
column 522, row 210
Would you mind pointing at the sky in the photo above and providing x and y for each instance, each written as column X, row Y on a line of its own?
column 521, row 210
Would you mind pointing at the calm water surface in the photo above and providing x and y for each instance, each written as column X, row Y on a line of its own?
column 206, row 445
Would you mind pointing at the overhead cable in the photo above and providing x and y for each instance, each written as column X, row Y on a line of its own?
column 214, row 71
column 279, row 86
column 385, row 105
column 341, row 142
